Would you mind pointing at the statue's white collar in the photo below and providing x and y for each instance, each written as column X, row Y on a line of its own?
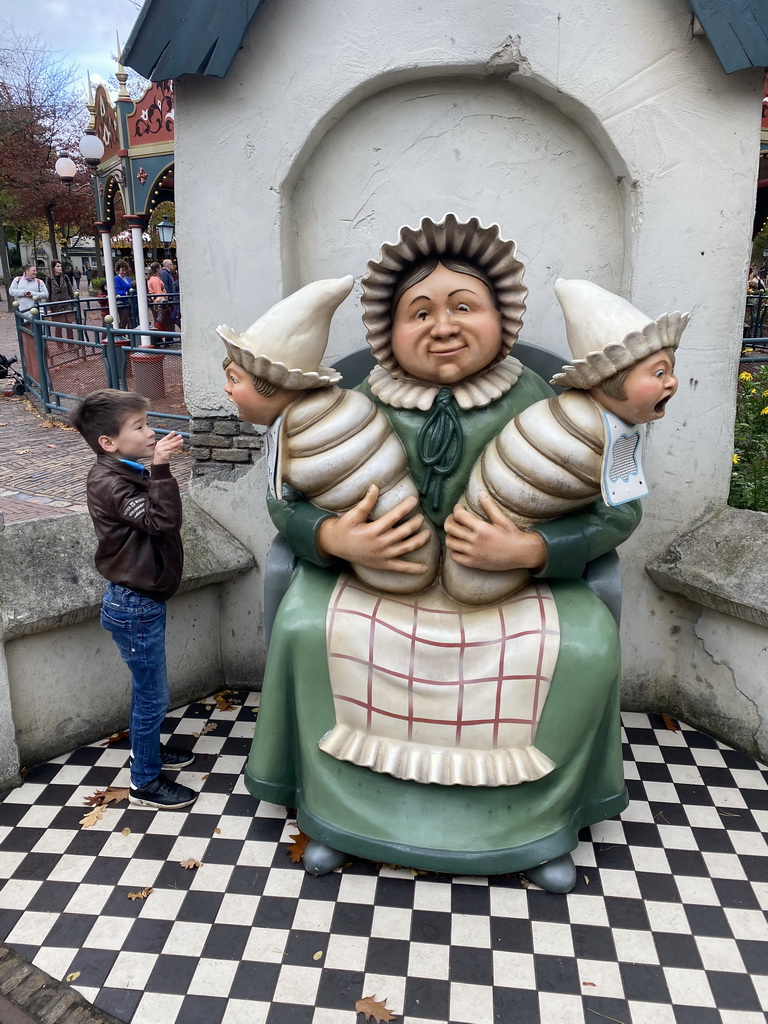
column 405, row 392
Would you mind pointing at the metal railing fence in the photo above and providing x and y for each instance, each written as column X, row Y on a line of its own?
column 63, row 361
column 94, row 308
column 755, row 310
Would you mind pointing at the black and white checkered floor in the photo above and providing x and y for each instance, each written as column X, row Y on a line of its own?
column 668, row 923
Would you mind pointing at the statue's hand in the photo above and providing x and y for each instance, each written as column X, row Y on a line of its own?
column 379, row 544
column 495, row 545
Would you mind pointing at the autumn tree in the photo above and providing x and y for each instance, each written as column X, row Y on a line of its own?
column 41, row 113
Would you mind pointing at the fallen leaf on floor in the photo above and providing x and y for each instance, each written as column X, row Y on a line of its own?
column 55, row 424
column 92, row 817
column 586, row 880
column 75, row 974
column 318, row 955
column 591, row 984
column 670, row 723
column 208, row 727
column 115, row 738
column 191, row 863
column 226, row 702
column 216, row 830
column 205, row 777
column 140, row 895
column 372, row 1010
column 126, row 831
column 297, row 847
column 726, row 814
column 110, row 795
column 21, row 451
column 3, row 424
column 51, row 446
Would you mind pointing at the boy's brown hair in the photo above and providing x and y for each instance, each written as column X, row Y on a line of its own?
column 104, row 412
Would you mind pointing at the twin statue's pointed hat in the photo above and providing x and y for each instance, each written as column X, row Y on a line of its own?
column 286, row 344
column 607, row 334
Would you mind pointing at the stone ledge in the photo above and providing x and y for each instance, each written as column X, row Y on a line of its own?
column 33, row 997
column 720, row 564
column 48, row 579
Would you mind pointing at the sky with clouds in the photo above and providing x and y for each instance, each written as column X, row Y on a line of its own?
column 82, row 34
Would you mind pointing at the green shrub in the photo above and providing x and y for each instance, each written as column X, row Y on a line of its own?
column 749, row 479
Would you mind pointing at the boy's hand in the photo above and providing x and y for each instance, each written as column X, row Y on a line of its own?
column 167, row 446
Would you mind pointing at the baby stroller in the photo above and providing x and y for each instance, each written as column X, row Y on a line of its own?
column 15, row 380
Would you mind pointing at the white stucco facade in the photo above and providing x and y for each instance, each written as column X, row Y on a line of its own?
column 603, row 137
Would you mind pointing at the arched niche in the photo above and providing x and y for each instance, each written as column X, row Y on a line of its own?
column 472, row 146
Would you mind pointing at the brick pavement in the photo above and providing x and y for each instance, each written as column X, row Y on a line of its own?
column 43, row 464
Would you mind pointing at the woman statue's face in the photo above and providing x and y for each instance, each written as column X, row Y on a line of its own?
column 446, row 328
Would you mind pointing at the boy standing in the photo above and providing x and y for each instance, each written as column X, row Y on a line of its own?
column 137, row 517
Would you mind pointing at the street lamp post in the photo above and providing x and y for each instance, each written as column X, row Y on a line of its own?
column 92, row 150
column 165, row 229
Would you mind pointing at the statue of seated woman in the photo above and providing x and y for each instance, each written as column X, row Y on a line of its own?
column 411, row 728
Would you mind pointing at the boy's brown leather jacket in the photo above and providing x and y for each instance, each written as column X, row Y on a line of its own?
column 137, row 518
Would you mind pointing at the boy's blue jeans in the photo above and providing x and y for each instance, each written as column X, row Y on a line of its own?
column 138, row 626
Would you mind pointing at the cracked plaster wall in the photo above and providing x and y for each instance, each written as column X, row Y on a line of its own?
column 724, row 689
column 673, row 140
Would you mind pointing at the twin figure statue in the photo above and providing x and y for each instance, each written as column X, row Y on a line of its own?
column 442, row 687
column 559, row 454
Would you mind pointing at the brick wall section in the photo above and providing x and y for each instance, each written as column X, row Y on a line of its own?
column 223, row 446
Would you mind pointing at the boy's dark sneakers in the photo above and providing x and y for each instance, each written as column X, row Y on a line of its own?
column 162, row 794
column 172, row 758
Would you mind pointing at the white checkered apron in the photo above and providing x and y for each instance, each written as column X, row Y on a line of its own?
column 434, row 691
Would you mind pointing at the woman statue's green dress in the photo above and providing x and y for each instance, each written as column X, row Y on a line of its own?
column 470, row 830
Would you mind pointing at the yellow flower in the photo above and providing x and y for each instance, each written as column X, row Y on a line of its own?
column 736, row 459
column 747, row 350
column 765, row 393
column 753, row 391
column 764, row 412
column 745, row 376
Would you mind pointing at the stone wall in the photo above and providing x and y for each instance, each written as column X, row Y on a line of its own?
column 223, row 445
column 62, row 682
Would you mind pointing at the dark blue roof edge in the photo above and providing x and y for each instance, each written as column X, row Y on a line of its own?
column 736, row 30
column 171, row 39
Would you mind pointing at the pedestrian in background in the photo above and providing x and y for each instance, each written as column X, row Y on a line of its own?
column 62, row 308
column 69, row 273
column 171, row 269
column 27, row 290
column 158, row 298
column 123, row 286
